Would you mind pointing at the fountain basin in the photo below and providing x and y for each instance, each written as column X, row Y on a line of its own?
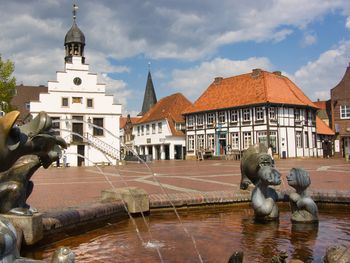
column 220, row 231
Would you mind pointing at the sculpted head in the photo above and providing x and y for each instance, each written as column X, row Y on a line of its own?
column 269, row 175
column 298, row 178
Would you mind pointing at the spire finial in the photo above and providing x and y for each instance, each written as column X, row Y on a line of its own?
column 149, row 66
column 75, row 8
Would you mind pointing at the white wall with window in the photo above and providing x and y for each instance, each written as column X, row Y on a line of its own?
column 289, row 127
column 86, row 101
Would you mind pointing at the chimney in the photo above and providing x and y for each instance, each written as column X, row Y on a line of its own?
column 217, row 80
column 256, row 72
column 277, row 73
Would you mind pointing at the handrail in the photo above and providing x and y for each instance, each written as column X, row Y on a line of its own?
column 103, row 146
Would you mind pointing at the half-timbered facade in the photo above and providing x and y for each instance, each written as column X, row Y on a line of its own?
column 258, row 107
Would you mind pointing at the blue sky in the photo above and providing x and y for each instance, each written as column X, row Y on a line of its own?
column 188, row 43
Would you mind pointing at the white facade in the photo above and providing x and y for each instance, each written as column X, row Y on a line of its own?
column 76, row 95
column 292, row 130
column 155, row 139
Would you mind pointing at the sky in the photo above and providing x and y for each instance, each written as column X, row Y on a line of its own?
column 184, row 43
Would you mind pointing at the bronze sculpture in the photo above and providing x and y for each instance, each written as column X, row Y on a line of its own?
column 22, row 151
column 304, row 209
column 40, row 146
column 257, row 168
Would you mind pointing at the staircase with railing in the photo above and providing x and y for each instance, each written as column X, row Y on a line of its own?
column 102, row 146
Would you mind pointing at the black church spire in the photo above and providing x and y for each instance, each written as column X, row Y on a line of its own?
column 149, row 98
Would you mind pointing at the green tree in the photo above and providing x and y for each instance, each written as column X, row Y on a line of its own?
column 7, row 84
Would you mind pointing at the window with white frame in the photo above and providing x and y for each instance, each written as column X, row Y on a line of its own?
column 221, row 116
column 313, row 143
column 211, row 118
column 298, row 139
column 200, row 119
column 147, row 129
column 259, row 113
column 153, row 128
column 344, row 111
column 247, row 139
column 234, row 116
column 246, row 114
column 159, row 127
column 273, row 113
column 211, row 141
column 262, row 137
column 190, row 141
column 138, row 130
column 142, row 130
column 297, row 114
column 235, row 140
column 306, row 139
column 200, row 141
column 190, row 121
column 273, row 140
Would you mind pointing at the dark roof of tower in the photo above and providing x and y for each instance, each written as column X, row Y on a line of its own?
column 74, row 35
column 149, row 98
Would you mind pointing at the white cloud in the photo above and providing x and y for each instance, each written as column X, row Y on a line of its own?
column 318, row 77
column 308, row 39
column 347, row 24
column 192, row 82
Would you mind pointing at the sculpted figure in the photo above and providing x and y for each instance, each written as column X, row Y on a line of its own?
column 264, row 197
column 40, row 147
column 251, row 161
column 304, row 209
column 257, row 168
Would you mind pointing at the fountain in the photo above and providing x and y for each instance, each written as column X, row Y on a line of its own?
column 236, row 230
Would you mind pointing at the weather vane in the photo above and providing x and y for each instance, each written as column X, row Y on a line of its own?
column 75, row 8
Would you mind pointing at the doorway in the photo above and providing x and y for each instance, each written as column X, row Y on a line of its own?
column 77, row 128
column 178, row 152
column 81, row 154
column 222, row 143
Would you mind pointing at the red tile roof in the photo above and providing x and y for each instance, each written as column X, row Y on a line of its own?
column 169, row 108
column 258, row 87
column 122, row 121
column 322, row 128
column 322, row 104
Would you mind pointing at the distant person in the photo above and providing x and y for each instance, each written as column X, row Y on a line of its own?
column 269, row 152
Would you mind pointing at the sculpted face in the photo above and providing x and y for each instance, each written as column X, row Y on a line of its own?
column 270, row 175
column 292, row 179
column 298, row 178
column 265, row 160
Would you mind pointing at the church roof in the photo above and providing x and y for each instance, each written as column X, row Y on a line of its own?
column 169, row 108
column 74, row 35
column 258, row 87
column 149, row 98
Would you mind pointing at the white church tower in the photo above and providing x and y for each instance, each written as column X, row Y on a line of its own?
column 79, row 105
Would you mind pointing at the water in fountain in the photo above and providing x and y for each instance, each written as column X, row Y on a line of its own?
column 150, row 243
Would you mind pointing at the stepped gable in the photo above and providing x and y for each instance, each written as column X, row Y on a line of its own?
column 258, row 87
column 169, row 108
